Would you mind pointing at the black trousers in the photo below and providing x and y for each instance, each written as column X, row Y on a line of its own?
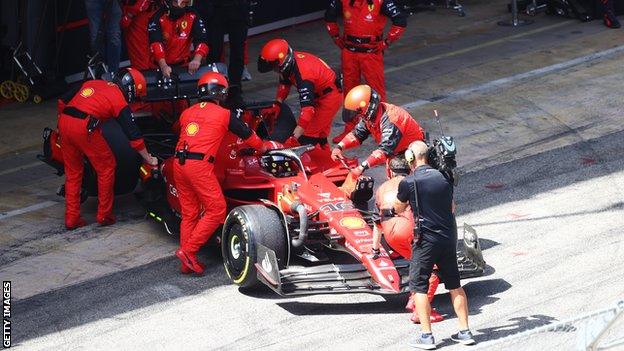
column 426, row 254
column 230, row 18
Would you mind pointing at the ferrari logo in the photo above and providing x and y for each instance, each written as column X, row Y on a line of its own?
column 300, row 55
column 192, row 129
column 86, row 92
column 202, row 104
column 353, row 223
column 371, row 7
column 183, row 24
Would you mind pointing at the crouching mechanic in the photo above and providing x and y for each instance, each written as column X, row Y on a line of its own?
column 399, row 230
column 429, row 194
column 319, row 94
column 202, row 128
column 171, row 31
column 97, row 101
column 391, row 126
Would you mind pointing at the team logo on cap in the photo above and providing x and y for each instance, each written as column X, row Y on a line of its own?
column 192, row 129
column 86, row 92
column 353, row 223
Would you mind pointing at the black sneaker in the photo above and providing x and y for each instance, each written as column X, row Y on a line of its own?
column 464, row 337
column 423, row 341
column 610, row 20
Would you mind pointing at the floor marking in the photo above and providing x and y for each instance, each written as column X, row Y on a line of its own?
column 31, row 208
column 495, row 186
column 476, row 47
column 520, row 76
column 19, row 168
column 587, row 161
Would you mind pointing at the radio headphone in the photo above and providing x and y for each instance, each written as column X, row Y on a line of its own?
column 409, row 156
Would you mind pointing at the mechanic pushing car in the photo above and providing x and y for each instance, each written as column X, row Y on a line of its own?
column 392, row 127
column 80, row 117
column 319, row 91
column 362, row 43
column 172, row 30
column 202, row 128
column 136, row 17
column 398, row 230
column 429, row 195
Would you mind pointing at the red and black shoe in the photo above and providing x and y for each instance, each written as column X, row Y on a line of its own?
column 75, row 224
column 107, row 220
column 190, row 261
column 610, row 20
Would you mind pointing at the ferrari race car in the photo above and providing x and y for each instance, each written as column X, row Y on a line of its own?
column 297, row 222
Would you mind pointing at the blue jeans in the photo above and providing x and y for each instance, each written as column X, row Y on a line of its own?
column 110, row 52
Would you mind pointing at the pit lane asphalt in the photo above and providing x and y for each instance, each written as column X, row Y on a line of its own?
column 543, row 186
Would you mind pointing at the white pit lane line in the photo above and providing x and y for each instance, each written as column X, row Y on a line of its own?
column 450, row 96
column 518, row 77
column 31, row 208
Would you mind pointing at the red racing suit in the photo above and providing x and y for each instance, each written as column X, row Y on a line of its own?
column 393, row 129
column 101, row 100
column 171, row 38
column 319, row 95
column 202, row 128
column 136, row 17
column 362, row 40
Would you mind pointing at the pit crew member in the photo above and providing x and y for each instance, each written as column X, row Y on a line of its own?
column 398, row 230
column 391, row 126
column 319, row 94
column 136, row 17
column 80, row 117
column 202, row 127
column 429, row 194
column 171, row 31
column 362, row 42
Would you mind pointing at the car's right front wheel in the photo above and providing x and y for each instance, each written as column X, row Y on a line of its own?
column 245, row 227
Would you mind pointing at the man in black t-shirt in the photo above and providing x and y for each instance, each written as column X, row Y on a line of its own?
column 430, row 196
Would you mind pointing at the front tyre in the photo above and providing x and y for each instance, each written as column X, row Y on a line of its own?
column 244, row 228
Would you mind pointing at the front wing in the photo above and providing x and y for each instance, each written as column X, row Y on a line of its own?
column 353, row 278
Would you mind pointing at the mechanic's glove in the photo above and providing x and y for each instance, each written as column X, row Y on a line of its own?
column 291, row 142
column 273, row 111
column 336, row 154
column 383, row 45
column 376, row 253
column 357, row 171
column 166, row 70
column 339, row 42
column 152, row 161
column 193, row 66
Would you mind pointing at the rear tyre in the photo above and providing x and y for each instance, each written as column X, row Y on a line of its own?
column 245, row 227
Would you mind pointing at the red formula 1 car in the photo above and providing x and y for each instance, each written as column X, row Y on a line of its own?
column 297, row 222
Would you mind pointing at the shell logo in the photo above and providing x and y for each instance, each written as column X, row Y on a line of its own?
column 139, row 86
column 183, row 24
column 280, row 55
column 347, row 14
column 86, row 92
column 192, row 129
column 353, row 223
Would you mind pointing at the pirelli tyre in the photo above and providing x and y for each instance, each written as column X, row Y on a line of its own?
column 245, row 227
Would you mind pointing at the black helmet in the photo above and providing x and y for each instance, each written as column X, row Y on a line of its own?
column 131, row 82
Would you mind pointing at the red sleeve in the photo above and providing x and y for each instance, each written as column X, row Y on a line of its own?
column 282, row 92
column 158, row 50
column 377, row 157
